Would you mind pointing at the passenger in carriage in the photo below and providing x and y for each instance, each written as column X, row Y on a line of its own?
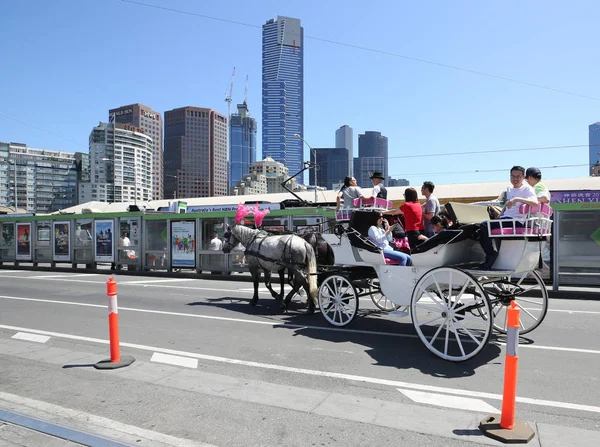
column 431, row 207
column 348, row 192
column 534, row 178
column 519, row 193
column 413, row 217
column 380, row 234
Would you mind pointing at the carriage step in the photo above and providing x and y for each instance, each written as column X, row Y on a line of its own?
column 398, row 314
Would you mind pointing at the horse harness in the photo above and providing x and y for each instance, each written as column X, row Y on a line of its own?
column 261, row 236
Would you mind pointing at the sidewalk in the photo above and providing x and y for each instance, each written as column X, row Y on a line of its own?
column 18, row 436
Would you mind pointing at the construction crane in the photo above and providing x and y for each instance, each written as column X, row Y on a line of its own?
column 246, row 90
column 229, row 95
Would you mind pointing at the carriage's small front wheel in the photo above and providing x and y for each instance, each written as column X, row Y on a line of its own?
column 338, row 300
column 451, row 313
column 530, row 294
column 379, row 299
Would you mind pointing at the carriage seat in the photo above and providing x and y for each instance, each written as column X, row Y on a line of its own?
column 537, row 221
column 372, row 203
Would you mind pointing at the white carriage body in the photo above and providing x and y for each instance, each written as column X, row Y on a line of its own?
column 518, row 253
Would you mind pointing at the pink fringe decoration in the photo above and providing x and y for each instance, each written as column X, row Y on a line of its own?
column 259, row 215
column 241, row 213
column 245, row 210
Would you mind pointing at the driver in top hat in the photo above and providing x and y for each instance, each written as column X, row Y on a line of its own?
column 379, row 191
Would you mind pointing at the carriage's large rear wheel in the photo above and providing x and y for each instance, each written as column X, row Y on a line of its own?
column 451, row 313
column 530, row 294
column 338, row 300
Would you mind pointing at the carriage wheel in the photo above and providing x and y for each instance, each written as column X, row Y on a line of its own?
column 379, row 299
column 451, row 313
column 338, row 300
column 530, row 294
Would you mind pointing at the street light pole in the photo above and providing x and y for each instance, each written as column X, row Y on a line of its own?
column 315, row 164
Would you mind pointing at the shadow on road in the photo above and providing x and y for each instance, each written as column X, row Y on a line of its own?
column 390, row 342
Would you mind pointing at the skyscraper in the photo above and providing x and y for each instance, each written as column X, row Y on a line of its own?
column 242, row 144
column 139, row 115
column 333, row 166
column 120, row 165
column 283, row 92
column 372, row 156
column 37, row 180
column 195, row 153
column 344, row 139
column 594, row 145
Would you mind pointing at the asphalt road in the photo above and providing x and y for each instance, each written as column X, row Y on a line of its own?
column 243, row 375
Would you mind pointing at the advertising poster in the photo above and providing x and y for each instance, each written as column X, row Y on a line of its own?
column 183, row 244
column 62, row 242
column 104, row 241
column 23, row 242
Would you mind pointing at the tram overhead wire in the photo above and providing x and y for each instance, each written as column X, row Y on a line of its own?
column 372, row 50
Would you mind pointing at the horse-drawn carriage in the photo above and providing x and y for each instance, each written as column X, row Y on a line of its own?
column 454, row 305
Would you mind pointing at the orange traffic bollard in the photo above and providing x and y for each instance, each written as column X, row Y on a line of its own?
column 113, row 320
column 511, row 367
column 508, row 430
column 115, row 361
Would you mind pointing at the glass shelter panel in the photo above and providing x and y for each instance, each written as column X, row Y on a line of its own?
column 43, row 249
column 129, row 240
column 84, row 248
column 156, row 244
column 211, row 256
column 7, row 241
column 578, row 255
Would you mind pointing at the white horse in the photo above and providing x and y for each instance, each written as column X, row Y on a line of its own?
column 274, row 254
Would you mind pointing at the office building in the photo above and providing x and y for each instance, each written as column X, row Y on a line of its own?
column 283, row 92
column 251, row 184
column 274, row 172
column 332, row 166
column 141, row 116
column 37, row 180
column 372, row 156
column 594, row 146
column 195, row 153
column 242, row 144
column 344, row 139
column 397, row 182
column 120, row 163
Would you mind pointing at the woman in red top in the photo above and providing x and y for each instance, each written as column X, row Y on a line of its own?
column 413, row 217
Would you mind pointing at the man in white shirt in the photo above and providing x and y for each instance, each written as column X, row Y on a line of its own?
column 215, row 243
column 519, row 193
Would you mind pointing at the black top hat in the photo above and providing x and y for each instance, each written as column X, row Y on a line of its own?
column 377, row 174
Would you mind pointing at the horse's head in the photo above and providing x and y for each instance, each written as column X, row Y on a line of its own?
column 229, row 241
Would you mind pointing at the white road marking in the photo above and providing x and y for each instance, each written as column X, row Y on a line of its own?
column 31, row 337
column 174, row 360
column 60, row 276
column 443, row 400
column 317, row 373
column 287, row 325
column 156, row 280
column 51, row 412
column 244, row 290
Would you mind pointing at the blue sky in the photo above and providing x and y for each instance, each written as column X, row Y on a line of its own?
column 66, row 62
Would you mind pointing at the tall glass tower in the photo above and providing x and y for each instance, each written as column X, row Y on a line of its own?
column 242, row 144
column 372, row 156
column 283, row 92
